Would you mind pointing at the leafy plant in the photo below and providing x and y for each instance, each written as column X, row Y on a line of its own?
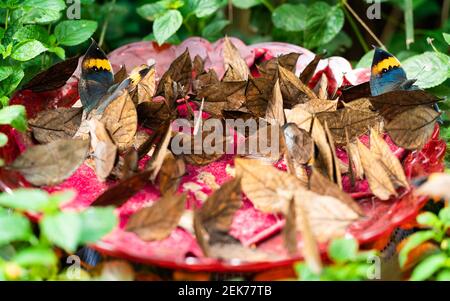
column 347, row 263
column 28, row 252
column 436, row 263
column 32, row 37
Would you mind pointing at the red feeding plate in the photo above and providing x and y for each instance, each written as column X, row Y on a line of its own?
column 252, row 227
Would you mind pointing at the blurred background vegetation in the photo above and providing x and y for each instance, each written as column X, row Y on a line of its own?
column 279, row 20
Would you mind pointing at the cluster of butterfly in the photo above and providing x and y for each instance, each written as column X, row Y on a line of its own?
column 312, row 121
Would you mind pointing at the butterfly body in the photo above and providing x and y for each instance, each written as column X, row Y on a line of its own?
column 96, row 86
column 96, row 77
column 387, row 74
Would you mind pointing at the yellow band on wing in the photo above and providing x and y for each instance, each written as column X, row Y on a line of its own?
column 385, row 64
column 99, row 63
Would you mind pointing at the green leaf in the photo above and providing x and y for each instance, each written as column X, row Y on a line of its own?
column 14, row 227
column 3, row 139
column 74, row 32
column 443, row 275
column 42, row 11
column 446, row 37
column 27, row 50
column 4, row 100
column 96, row 223
column 342, row 250
column 214, row 29
column 429, row 219
column 15, row 116
column 5, row 72
column 7, row 51
column 36, row 256
column 323, row 23
column 32, row 32
column 166, row 25
column 62, row 229
column 430, row 69
column 245, row 4
column 366, row 60
column 414, row 241
column 8, row 85
column 207, row 7
column 152, row 10
column 60, row 52
column 25, row 199
column 444, row 215
column 290, row 17
column 430, row 265
column 305, row 274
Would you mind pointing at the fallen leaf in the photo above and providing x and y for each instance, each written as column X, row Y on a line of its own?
column 290, row 230
column 268, row 188
column 217, row 213
column 152, row 114
column 317, row 105
column 159, row 154
column 198, row 66
column 353, row 154
column 299, row 143
column 121, row 75
column 145, row 89
column 360, row 104
column 267, row 143
column 105, row 151
column 122, row 191
column 236, row 67
column 356, row 122
column 299, row 116
column 328, row 217
column 292, row 89
column 413, row 128
column 379, row 180
column 159, row 220
column 52, row 163
column 120, row 119
column 321, row 88
column 320, row 184
column 127, row 164
column 60, row 123
column 310, row 248
column 205, row 79
column 325, row 157
column 170, row 174
column 355, row 92
column 206, row 147
column 180, row 71
column 258, row 92
column 392, row 164
column 309, row 70
column 274, row 111
column 269, row 69
column 336, row 168
column 54, row 77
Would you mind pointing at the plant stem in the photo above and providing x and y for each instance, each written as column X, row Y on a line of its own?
column 267, row 4
column 6, row 19
column 357, row 32
column 409, row 23
column 105, row 24
column 364, row 25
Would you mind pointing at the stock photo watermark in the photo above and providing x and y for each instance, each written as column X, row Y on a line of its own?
column 374, row 10
column 73, row 11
